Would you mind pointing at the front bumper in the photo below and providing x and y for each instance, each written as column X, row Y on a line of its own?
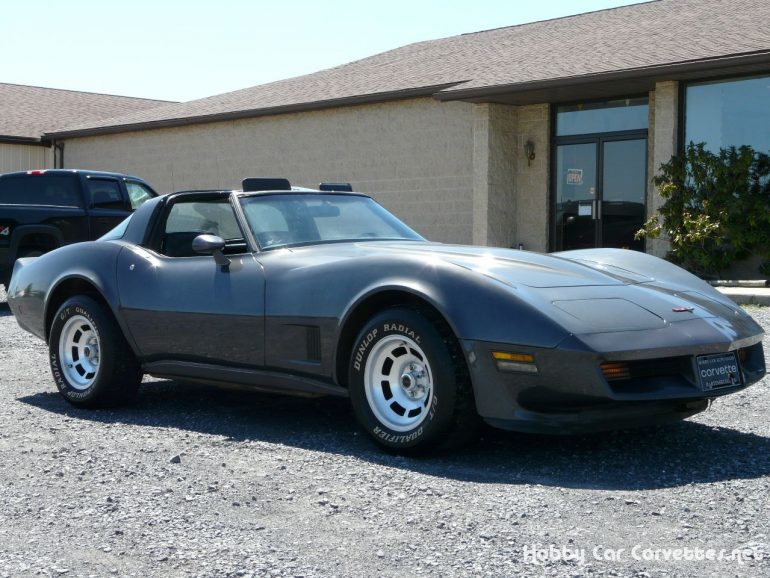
column 570, row 394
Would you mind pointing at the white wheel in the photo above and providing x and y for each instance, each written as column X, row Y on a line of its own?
column 91, row 362
column 408, row 383
column 399, row 383
column 79, row 352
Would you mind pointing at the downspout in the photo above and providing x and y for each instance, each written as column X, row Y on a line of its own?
column 58, row 147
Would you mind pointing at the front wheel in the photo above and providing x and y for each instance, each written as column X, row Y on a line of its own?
column 91, row 362
column 409, row 383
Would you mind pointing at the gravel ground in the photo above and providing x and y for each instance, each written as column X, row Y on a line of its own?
column 195, row 481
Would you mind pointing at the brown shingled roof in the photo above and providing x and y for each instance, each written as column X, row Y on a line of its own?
column 663, row 37
column 26, row 112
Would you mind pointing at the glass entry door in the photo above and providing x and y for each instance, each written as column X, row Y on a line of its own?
column 624, row 180
column 576, row 199
column 600, row 189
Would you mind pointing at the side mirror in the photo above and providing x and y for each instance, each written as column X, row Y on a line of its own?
column 211, row 245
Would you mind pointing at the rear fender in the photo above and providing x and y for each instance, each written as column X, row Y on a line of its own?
column 98, row 270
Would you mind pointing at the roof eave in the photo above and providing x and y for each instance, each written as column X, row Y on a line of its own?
column 268, row 111
column 669, row 71
column 24, row 140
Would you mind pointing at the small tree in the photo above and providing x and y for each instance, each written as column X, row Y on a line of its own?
column 716, row 210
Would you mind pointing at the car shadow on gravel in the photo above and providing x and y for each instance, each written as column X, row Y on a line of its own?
column 675, row 455
column 5, row 310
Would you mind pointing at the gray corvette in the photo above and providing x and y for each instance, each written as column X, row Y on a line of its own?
column 326, row 293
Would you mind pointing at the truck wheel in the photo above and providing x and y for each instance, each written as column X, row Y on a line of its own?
column 409, row 384
column 91, row 362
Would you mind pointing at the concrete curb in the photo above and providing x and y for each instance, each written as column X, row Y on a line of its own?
column 753, row 283
column 747, row 295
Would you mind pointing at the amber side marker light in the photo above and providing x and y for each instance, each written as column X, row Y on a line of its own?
column 521, row 362
column 615, row 370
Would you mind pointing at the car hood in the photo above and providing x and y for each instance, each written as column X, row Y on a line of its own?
column 586, row 296
column 584, row 292
column 514, row 267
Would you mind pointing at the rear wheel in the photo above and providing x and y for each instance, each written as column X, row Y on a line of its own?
column 91, row 362
column 409, row 384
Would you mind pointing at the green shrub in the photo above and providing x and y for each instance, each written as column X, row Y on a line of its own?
column 716, row 210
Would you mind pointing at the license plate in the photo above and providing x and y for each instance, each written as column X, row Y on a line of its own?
column 719, row 370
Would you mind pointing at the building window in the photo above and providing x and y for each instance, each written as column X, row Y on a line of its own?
column 599, row 174
column 729, row 113
column 599, row 117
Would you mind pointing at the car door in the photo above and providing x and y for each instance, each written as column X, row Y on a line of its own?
column 107, row 204
column 181, row 305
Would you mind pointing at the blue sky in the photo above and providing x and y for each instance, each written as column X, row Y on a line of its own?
column 182, row 50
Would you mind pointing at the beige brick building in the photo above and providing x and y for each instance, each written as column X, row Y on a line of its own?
column 545, row 135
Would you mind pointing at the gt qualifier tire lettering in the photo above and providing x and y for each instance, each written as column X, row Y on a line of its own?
column 385, row 436
column 433, row 407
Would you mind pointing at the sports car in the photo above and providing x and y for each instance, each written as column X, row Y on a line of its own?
column 327, row 293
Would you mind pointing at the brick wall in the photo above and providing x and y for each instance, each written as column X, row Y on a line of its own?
column 494, row 184
column 510, row 194
column 532, row 178
column 414, row 156
column 664, row 131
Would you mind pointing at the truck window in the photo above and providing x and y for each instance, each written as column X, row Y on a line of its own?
column 105, row 194
column 138, row 194
column 51, row 190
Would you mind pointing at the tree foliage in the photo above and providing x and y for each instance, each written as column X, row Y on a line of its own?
column 716, row 210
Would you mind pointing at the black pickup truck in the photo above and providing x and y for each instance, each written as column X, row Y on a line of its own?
column 45, row 209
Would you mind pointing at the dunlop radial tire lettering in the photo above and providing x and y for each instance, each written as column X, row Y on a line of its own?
column 409, row 385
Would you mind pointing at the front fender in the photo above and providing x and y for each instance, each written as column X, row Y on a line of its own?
column 476, row 306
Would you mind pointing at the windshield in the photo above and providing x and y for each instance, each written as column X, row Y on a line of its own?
column 296, row 219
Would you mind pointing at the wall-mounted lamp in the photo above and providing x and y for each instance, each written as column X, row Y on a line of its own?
column 529, row 151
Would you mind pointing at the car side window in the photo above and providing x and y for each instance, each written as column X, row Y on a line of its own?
column 105, row 194
column 187, row 220
column 138, row 194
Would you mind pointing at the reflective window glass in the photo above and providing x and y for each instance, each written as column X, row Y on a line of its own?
column 105, row 194
column 138, row 194
column 600, row 117
column 729, row 113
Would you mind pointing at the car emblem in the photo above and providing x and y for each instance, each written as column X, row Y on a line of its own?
column 683, row 309
column 5, row 231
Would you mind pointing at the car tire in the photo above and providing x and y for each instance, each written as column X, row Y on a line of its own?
column 409, row 384
column 91, row 362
